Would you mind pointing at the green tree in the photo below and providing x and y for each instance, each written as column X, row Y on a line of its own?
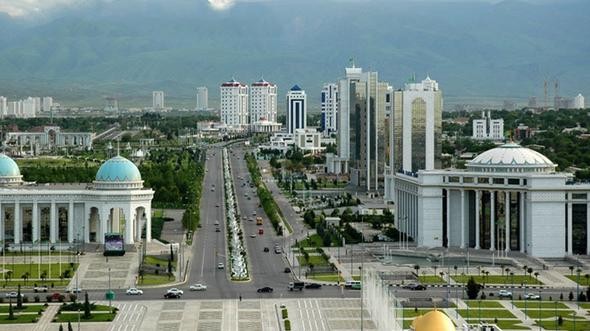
column 19, row 299
column 472, row 289
column 70, row 328
column 61, row 327
column 87, row 308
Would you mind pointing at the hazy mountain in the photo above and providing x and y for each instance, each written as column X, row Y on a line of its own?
column 129, row 48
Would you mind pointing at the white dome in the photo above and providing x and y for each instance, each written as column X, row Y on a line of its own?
column 511, row 157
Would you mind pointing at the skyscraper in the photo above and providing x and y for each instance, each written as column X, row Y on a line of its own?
column 263, row 102
column 158, row 100
column 329, row 104
column 47, row 103
column 202, row 98
column 579, row 102
column 234, row 104
column 296, row 109
column 3, row 106
column 488, row 128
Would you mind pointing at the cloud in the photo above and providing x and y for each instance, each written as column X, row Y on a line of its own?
column 221, row 4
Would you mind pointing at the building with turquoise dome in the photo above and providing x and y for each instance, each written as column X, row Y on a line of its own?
column 115, row 202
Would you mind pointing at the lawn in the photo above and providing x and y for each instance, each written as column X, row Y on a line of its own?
column 158, row 213
column 534, row 313
column 485, row 313
column 568, row 324
column 411, row 312
column 29, row 284
column 27, row 308
column 431, row 280
column 32, row 268
column 65, row 317
column 498, row 279
column 19, row 319
column 510, row 324
column 316, row 260
column 544, row 304
column 583, row 280
column 312, row 241
column 150, row 279
column 153, row 260
column 328, row 277
column 483, row 304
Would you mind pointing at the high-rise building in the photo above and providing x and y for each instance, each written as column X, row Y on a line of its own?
column 296, row 109
column 29, row 107
column 47, row 103
column 263, row 102
column 158, row 100
column 579, row 102
column 3, row 106
column 234, row 104
column 329, row 106
column 487, row 128
column 363, row 143
column 202, row 98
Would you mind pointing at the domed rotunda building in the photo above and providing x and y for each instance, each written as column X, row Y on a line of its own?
column 115, row 203
column 508, row 198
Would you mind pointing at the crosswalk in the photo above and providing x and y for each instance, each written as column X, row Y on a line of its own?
column 129, row 317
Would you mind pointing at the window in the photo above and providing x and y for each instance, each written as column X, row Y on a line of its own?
column 579, row 196
column 513, row 181
column 498, row 180
column 454, row 179
column 467, row 179
column 483, row 180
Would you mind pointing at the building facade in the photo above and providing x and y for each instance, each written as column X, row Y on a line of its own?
column 50, row 137
column 263, row 107
column 158, row 100
column 234, row 105
column 64, row 214
column 329, row 108
column 487, row 128
column 579, row 102
column 47, row 104
column 296, row 109
column 202, row 98
column 509, row 198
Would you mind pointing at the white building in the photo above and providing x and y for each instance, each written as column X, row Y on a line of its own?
column 158, row 100
column 579, row 102
column 263, row 107
column 47, row 104
column 308, row 140
column 296, row 109
column 116, row 202
column 509, row 198
column 50, row 137
column 3, row 106
column 29, row 107
column 416, row 129
column 234, row 105
column 202, row 98
column 329, row 107
column 487, row 128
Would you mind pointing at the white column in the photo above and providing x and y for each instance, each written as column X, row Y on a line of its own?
column 52, row 222
column 569, row 225
column 103, row 220
column 35, row 213
column 493, row 220
column 521, row 227
column 2, row 222
column 477, row 208
column 17, row 223
column 129, row 216
column 462, row 218
column 115, row 220
column 86, row 227
column 148, row 223
column 507, row 216
column 71, row 222
column 448, row 226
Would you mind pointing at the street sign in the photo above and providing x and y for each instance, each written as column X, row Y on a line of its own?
column 110, row 295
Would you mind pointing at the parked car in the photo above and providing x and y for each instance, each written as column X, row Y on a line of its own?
column 415, row 287
column 41, row 288
column 220, row 265
column 74, row 290
column 313, row 286
column 56, row 297
column 134, row 291
column 13, row 295
column 198, row 287
column 217, row 230
column 175, row 290
column 504, row 294
column 266, row 250
column 532, row 296
column 287, row 270
column 172, row 296
column 253, row 235
column 278, row 250
column 265, row 289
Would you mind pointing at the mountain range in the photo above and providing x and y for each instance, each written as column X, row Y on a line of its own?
column 476, row 50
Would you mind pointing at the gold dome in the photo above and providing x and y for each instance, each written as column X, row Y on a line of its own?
column 415, row 322
column 433, row 321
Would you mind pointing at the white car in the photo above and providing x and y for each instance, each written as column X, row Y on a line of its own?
column 532, row 296
column 134, row 291
column 504, row 294
column 175, row 291
column 198, row 287
column 13, row 295
column 74, row 290
column 41, row 288
column 220, row 265
column 253, row 235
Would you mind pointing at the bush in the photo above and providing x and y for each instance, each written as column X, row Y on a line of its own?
column 285, row 313
column 25, row 299
column 287, row 325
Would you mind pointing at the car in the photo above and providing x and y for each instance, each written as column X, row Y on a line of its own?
column 253, row 235
column 217, row 205
column 172, row 296
column 56, row 297
column 287, row 270
column 415, row 287
column 313, row 286
column 220, row 265
column 198, row 287
column 217, row 230
column 265, row 289
column 504, row 294
column 13, row 295
column 532, row 296
column 175, row 290
column 278, row 250
column 74, row 290
column 212, row 189
column 266, row 250
column 41, row 288
column 134, row 291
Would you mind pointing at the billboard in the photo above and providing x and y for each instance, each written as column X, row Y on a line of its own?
column 114, row 244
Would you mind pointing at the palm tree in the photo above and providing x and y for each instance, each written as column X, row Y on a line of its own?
column 455, row 267
column 25, row 277
column 571, row 270
column 434, row 267
column 530, row 271
column 417, row 268
column 536, row 275
column 525, row 267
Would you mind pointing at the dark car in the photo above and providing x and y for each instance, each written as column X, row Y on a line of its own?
column 172, row 295
column 313, row 286
column 266, row 249
column 265, row 289
column 415, row 287
column 287, row 270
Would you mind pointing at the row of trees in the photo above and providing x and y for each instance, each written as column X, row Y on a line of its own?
column 266, row 200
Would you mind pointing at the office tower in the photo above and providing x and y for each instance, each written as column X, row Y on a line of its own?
column 329, row 106
column 263, row 102
column 47, row 103
column 417, row 126
column 158, row 100
column 532, row 102
column 29, row 107
column 487, row 128
column 202, row 98
column 579, row 102
column 363, row 143
column 3, row 106
column 296, row 109
column 234, row 104
column 37, row 104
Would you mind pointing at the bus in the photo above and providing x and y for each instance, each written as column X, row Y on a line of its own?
column 258, row 220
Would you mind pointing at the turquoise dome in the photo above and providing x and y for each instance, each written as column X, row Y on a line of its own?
column 8, row 168
column 118, row 169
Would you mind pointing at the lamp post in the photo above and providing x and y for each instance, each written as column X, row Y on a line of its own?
column 525, row 300
column 110, row 294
